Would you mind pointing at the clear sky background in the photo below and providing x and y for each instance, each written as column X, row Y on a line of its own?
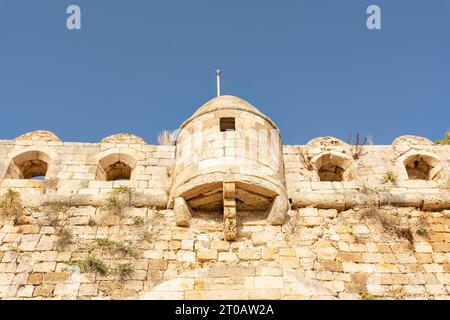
column 143, row 66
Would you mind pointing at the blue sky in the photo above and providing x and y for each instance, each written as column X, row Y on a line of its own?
column 143, row 66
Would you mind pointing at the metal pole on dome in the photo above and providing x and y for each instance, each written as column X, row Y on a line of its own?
column 218, row 74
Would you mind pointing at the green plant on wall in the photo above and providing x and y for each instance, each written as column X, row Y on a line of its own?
column 113, row 206
column 96, row 265
column 138, row 221
column 65, row 237
column 116, row 246
column 11, row 194
column 148, row 236
column 55, row 213
column 367, row 296
column 123, row 270
column 91, row 264
column 423, row 230
column 446, row 139
column 124, row 190
column 390, row 176
column 397, row 293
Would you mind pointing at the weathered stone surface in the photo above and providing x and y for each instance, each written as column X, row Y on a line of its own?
column 231, row 271
column 185, row 256
column 221, row 246
column 261, row 238
column 55, row 277
column 305, row 288
column 66, row 289
column 122, row 294
column 35, row 278
column 218, row 284
column 269, row 271
column 268, row 282
column 433, row 268
column 265, row 294
column 249, row 254
column 312, row 221
column 6, row 279
column 153, row 254
column 179, row 284
column 44, row 291
column 289, row 262
column 29, row 229
column 25, row 291
column 183, row 212
column 228, row 257
column 206, row 255
column 216, row 295
column 166, row 295
column 88, row 289
column 187, row 244
column 287, row 252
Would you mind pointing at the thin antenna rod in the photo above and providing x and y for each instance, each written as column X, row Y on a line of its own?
column 218, row 74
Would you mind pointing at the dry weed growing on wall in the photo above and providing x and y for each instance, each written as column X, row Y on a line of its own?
column 389, row 223
column 166, row 138
column 11, row 205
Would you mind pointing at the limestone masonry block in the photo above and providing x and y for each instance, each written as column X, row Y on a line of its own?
column 206, row 254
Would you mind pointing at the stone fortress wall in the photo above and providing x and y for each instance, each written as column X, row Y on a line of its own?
column 220, row 218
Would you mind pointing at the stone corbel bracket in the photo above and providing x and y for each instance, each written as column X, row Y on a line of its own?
column 229, row 210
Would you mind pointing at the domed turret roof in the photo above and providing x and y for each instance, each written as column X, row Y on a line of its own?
column 227, row 103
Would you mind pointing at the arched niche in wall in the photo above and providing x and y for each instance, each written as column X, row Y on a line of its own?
column 332, row 166
column 117, row 166
column 422, row 167
column 417, row 159
column 331, row 159
column 29, row 164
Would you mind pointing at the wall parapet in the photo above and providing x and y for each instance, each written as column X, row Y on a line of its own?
column 326, row 172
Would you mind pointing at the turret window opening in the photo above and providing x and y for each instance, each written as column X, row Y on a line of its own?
column 227, row 124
